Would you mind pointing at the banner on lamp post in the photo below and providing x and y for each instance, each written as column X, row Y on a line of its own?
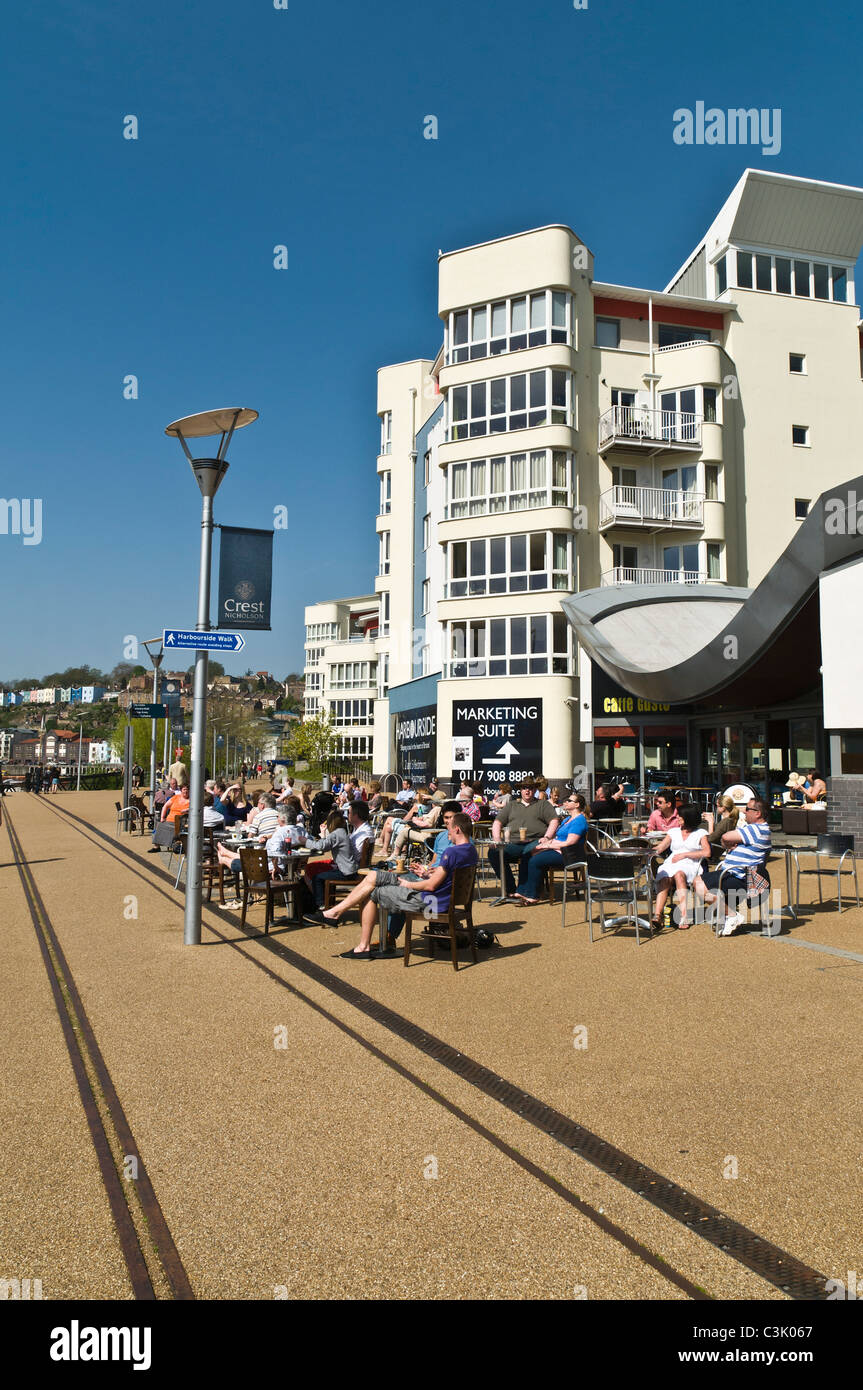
column 245, row 578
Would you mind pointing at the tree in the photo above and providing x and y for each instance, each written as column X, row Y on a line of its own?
column 121, row 674
column 214, row 668
column 313, row 739
column 142, row 730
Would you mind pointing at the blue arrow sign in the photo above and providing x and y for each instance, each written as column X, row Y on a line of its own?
column 187, row 639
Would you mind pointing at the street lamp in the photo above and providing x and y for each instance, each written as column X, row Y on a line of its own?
column 156, row 658
column 209, row 473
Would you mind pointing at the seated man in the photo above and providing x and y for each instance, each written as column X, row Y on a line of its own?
column 406, row 795
column 664, row 815
column 380, row 887
column 213, row 820
column 419, row 872
column 748, row 848
column 537, row 820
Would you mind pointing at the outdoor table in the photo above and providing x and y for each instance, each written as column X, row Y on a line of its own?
column 789, row 851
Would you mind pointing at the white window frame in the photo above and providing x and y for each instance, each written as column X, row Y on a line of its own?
column 426, row 530
column 351, row 675
column 835, row 272
column 384, row 552
column 481, row 343
column 792, row 371
column 386, row 493
column 425, row 591
column 797, row 443
column 604, row 319
column 386, row 432
column 511, row 499
column 478, row 584
column 510, row 419
column 348, row 714
column 478, row 637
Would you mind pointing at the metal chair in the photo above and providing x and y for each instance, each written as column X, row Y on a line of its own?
column 829, row 846
column 578, row 870
column 762, row 900
column 621, row 879
column 459, row 916
column 127, row 818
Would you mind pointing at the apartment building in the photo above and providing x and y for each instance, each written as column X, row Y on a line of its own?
column 573, row 434
column 341, row 669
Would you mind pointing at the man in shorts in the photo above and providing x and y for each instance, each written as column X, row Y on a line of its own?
column 382, row 888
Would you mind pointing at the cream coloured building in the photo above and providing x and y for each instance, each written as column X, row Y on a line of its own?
column 574, row 434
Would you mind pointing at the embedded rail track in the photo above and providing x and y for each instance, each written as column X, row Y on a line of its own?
column 792, row 1276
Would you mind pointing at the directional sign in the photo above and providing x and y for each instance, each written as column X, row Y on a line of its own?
column 177, row 638
column 508, row 750
column 148, row 711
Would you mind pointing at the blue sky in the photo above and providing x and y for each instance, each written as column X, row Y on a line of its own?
column 304, row 127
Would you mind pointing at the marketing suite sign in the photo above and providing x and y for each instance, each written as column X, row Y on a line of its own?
column 416, row 742
column 499, row 741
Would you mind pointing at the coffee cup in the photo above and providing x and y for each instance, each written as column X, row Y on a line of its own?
column 400, row 864
column 522, row 835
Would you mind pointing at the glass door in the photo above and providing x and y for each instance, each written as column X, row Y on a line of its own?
column 755, row 757
column 731, row 767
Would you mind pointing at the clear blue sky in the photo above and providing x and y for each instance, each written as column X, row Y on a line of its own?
column 304, row 127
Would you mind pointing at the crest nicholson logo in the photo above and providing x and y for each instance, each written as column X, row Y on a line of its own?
column 245, row 589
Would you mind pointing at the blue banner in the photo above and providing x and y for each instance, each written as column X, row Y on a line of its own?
column 245, row 578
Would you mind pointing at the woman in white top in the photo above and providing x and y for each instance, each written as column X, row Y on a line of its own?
column 689, row 847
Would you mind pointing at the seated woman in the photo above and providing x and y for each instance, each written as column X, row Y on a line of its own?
column 343, row 862
column 565, row 847
column 815, row 788
column 418, row 824
column 689, row 847
column 375, row 798
column 724, row 818
column 393, row 824
column 501, row 798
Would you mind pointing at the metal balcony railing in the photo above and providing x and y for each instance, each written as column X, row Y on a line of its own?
column 622, row 574
column 643, row 505
column 638, row 425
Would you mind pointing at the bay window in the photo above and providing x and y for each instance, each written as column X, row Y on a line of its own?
column 509, row 483
column 524, row 401
column 509, row 325
column 537, row 644
column 509, row 564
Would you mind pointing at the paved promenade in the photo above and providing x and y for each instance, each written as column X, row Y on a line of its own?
column 299, row 1147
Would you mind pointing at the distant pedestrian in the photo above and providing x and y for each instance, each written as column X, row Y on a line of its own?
column 37, row 778
column 28, row 780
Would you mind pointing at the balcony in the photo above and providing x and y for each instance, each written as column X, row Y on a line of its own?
column 623, row 575
column 655, row 507
column 637, row 427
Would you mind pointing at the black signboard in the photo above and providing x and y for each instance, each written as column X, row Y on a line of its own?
column 496, row 740
column 245, row 578
column 416, row 742
column 147, row 711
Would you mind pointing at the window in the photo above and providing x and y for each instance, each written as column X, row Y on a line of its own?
column 426, row 525
column 672, row 334
column 709, row 394
column 801, row 508
column 744, row 269
column 384, row 552
column 509, row 564
column 387, row 432
column 797, row 363
column 425, row 595
column 322, row 632
column 625, row 557
column 351, row 675
column 800, row 434
column 801, row 278
column 763, row 274
column 427, row 468
column 508, row 403
column 509, row 325
column 711, row 482
column 313, row 655
column 840, row 284
column 346, row 712
column 783, row 275
column 538, row 645
column 721, row 276
column 608, row 333
column 425, row 661
column 714, row 560
column 501, row 484
column 385, row 612
column 383, row 675
column 821, row 281
column 681, row 560
column 355, row 746
column 386, row 494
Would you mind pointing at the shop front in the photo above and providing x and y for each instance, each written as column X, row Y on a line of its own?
column 636, row 740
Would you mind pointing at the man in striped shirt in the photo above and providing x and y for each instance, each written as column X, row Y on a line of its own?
column 748, row 848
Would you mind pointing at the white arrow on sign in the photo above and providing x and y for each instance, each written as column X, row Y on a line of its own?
column 508, row 750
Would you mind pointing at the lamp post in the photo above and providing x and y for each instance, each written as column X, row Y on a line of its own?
column 209, row 473
column 156, row 658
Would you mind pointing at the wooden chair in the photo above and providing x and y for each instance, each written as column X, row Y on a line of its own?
column 256, row 879
column 337, row 888
column 459, row 914
column 213, row 870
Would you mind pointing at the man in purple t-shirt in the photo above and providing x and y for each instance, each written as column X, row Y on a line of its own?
column 382, row 888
